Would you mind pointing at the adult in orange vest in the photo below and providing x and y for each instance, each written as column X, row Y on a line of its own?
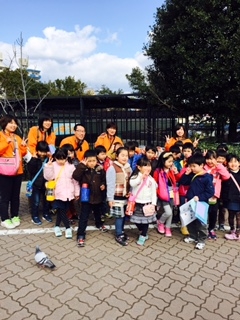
column 10, row 185
column 108, row 138
column 179, row 135
column 42, row 132
column 77, row 141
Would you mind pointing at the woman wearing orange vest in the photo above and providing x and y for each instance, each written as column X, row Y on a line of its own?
column 10, row 185
column 179, row 135
column 108, row 138
column 42, row 132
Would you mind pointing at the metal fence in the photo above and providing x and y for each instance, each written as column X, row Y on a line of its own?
column 135, row 117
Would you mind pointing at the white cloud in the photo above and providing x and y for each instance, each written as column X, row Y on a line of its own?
column 60, row 53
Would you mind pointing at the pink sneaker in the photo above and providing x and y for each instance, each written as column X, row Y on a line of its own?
column 160, row 227
column 168, row 232
column 232, row 236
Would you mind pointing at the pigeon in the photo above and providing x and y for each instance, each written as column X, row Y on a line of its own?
column 42, row 259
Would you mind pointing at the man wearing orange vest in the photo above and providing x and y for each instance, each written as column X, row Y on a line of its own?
column 77, row 141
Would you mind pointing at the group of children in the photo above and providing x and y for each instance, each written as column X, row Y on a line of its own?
column 156, row 182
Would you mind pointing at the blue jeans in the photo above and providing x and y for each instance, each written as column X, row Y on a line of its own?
column 37, row 195
column 119, row 226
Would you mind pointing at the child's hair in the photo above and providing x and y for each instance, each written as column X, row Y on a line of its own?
column 188, row 145
column 164, row 156
column 178, row 143
column 176, row 128
column 111, row 125
column 222, row 146
column 116, row 144
column 69, row 147
column 151, row 147
column 196, row 158
column 231, row 156
column 119, row 150
column 130, row 145
column 211, row 154
column 222, row 153
column 198, row 150
column 42, row 146
column 175, row 149
column 90, row 154
column 100, row 149
column 142, row 162
column 45, row 117
column 61, row 154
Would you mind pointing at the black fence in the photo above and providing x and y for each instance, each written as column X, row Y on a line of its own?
column 135, row 117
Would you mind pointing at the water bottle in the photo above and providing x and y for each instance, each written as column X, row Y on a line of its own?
column 29, row 189
column 50, row 190
column 85, row 193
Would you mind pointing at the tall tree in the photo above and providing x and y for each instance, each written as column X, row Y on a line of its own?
column 68, row 87
column 195, row 51
column 105, row 90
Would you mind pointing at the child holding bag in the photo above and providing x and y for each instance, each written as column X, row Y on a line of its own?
column 144, row 191
column 66, row 188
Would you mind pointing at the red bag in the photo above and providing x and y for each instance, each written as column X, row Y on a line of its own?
column 176, row 198
column 130, row 206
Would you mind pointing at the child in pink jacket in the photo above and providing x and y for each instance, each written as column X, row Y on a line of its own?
column 219, row 173
column 66, row 188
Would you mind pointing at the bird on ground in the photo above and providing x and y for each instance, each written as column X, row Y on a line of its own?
column 42, row 259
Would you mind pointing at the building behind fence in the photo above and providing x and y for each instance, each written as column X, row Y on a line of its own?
column 135, row 117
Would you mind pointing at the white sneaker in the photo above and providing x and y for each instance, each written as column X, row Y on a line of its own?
column 8, row 224
column 68, row 233
column 58, row 232
column 200, row 245
column 189, row 240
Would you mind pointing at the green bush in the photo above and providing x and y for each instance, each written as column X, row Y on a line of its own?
column 208, row 144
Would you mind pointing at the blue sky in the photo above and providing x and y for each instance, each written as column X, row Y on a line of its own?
column 96, row 41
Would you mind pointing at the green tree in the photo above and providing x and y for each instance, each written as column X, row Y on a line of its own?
column 105, row 90
column 195, row 51
column 68, row 87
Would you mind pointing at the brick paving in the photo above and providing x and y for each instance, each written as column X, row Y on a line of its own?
column 166, row 279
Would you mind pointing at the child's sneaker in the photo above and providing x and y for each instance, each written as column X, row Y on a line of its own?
column 200, row 245
column 189, row 240
column 16, row 221
column 212, row 235
column 37, row 221
column 141, row 240
column 232, row 236
column 68, row 233
column 80, row 242
column 221, row 227
column 103, row 228
column 168, row 232
column 184, row 231
column 47, row 217
column 58, row 232
column 121, row 240
column 8, row 224
column 160, row 227
column 126, row 237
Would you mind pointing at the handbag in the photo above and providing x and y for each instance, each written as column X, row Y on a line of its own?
column 131, row 204
column 31, row 182
column 10, row 166
column 149, row 210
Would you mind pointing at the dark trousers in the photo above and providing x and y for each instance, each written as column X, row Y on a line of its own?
column 197, row 231
column 10, row 187
column 86, row 209
column 62, row 208
column 37, row 196
column 212, row 216
column 143, row 228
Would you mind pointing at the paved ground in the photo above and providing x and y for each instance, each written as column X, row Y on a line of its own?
column 166, row 279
